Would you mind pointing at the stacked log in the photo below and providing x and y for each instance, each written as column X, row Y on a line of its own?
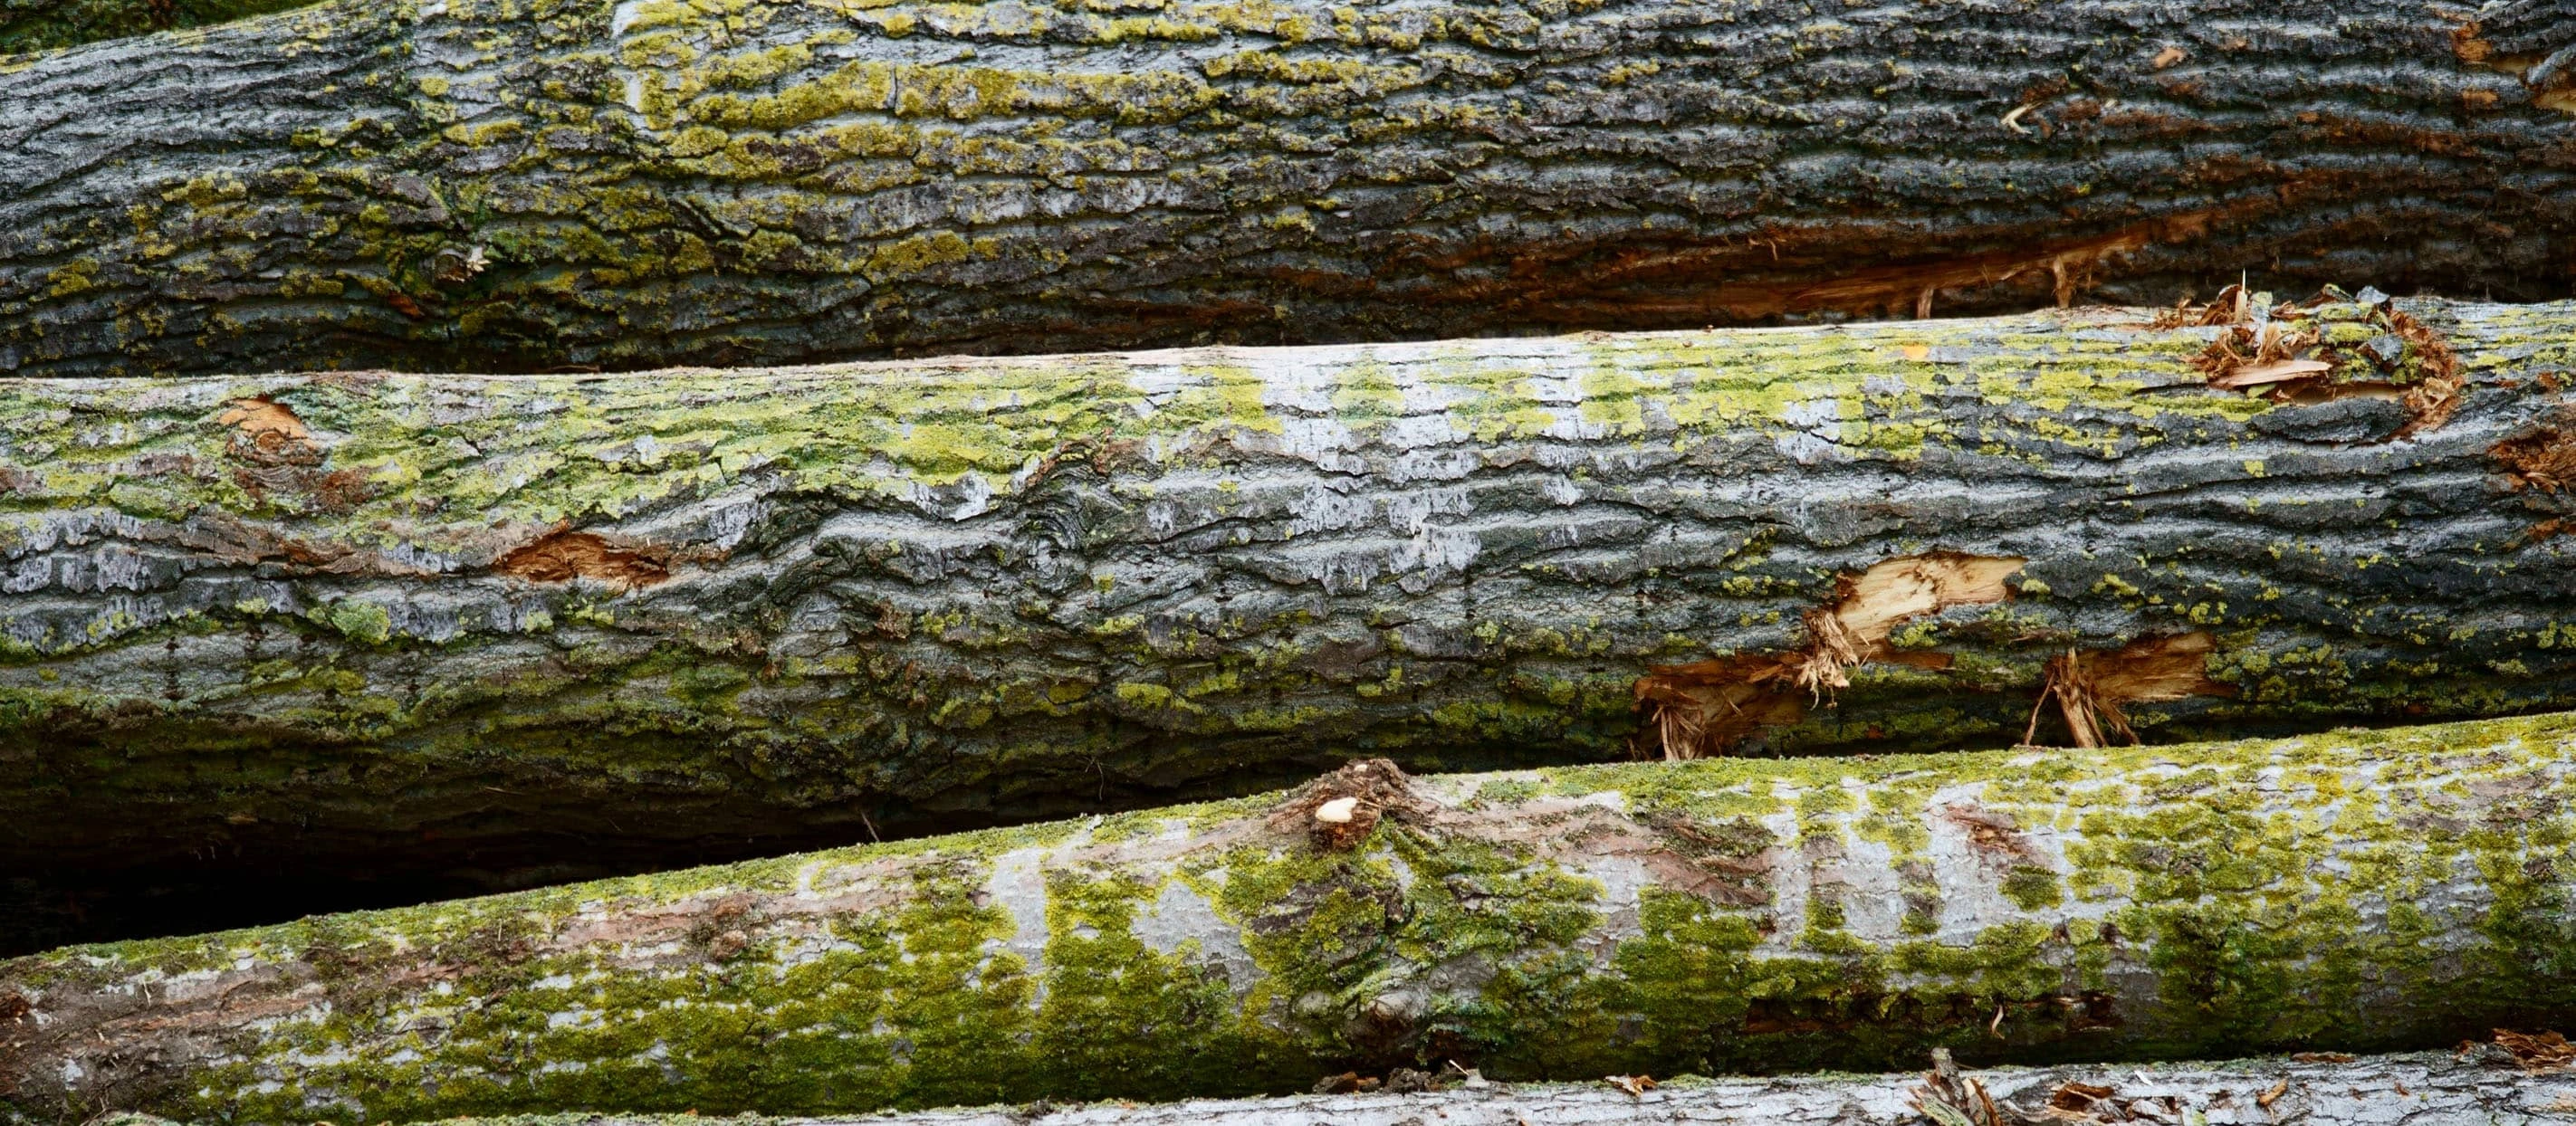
column 2339, row 892
column 437, row 623
column 479, row 185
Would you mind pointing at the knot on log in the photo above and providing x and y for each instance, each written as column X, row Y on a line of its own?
column 268, row 433
column 1340, row 809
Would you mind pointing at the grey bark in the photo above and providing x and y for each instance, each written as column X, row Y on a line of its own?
column 466, row 629
column 2400, row 1090
column 463, row 185
column 2359, row 891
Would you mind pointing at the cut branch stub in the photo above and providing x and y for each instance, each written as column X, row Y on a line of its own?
column 269, row 434
column 1340, row 809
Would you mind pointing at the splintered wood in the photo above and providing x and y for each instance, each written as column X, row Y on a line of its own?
column 1706, row 707
column 2332, row 346
column 2091, row 687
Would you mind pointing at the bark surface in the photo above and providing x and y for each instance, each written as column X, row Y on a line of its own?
column 2355, row 891
column 488, row 185
column 2394, row 1090
column 2402, row 1090
column 464, row 628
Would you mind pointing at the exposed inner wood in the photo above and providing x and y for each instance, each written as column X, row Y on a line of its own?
column 1706, row 707
column 2543, row 461
column 564, row 556
column 2091, row 688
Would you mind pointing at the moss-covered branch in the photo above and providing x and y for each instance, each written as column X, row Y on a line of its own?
column 36, row 25
column 503, row 623
column 497, row 185
column 2351, row 891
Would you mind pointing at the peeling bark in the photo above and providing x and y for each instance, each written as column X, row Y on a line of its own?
column 473, row 185
column 2355, row 891
column 466, row 629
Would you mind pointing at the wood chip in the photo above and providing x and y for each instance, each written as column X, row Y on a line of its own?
column 2278, row 371
column 2538, row 1052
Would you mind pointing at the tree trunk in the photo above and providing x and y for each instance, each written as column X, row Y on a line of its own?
column 2397, row 1090
column 477, row 185
column 36, row 25
column 459, row 628
column 2356, row 891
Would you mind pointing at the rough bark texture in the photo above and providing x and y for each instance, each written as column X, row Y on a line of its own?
column 469, row 627
column 2354, row 891
column 35, row 25
column 2403, row 1090
column 489, row 185
column 2395, row 1090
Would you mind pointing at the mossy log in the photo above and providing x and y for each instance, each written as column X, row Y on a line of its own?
column 500, row 186
column 2394, row 1090
column 36, row 25
column 2354, row 891
column 469, row 626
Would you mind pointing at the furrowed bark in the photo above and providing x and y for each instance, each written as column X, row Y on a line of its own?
column 2396, row 1090
column 476, row 185
column 2355, row 891
column 465, row 628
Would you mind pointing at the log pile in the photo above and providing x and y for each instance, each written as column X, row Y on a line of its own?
column 1277, row 562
